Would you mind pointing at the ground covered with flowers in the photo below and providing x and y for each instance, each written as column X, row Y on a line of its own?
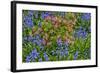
column 55, row 36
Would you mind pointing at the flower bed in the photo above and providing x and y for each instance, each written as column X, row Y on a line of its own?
column 55, row 36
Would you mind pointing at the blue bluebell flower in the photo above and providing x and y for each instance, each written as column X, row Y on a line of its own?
column 76, row 55
column 32, row 56
column 43, row 15
column 30, row 13
column 46, row 57
column 49, row 13
column 28, row 59
column 81, row 33
column 36, row 42
column 59, row 42
column 28, row 38
column 62, row 53
column 46, row 14
column 37, row 36
column 40, row 59
column 86, row 16
column 66, row 51
column 28, row 21
column 34, row 53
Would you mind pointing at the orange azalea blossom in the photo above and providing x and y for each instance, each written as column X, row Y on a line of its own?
column 69, row 38
column 57, row 21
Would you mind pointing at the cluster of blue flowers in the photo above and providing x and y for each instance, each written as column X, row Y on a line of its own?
column 86, row 16
column 45, row 14
column 81, row 33
column 46, row 56
column 37, row 40
column 28, row 19
column 30, row 13
column 32, row 56
column 62, row 49
column 60, row 52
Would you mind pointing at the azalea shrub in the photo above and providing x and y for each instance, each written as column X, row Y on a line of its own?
column 55, row 36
